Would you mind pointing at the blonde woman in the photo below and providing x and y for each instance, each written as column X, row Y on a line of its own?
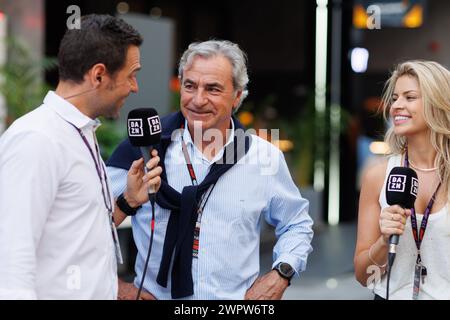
column 417, row 102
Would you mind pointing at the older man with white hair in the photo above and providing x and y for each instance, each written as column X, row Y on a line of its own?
column 214, row 191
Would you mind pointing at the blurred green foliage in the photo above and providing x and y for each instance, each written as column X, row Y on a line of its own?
column 24, row 90
column 21, row 82
column 109, row 135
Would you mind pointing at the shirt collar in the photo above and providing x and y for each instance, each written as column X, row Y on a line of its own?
column 69, row 112
column 188, row 138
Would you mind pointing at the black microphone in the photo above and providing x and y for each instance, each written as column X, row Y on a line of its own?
column 144, row 131
column 401, row 189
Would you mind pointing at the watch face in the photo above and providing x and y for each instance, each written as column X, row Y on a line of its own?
column 286, row 269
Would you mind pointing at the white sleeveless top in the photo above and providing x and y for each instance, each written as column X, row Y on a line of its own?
column 435, row 254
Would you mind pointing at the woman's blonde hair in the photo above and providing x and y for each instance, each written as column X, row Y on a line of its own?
column 434, row 84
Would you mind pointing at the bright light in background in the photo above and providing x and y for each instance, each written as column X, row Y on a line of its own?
column 414, row 18
column 332, row 283
column 359, row 60
column 123, row 7
column 284, row 145
column 379, row 147
column 246, row 118
column 156, row 12
column 334, row 153
column 321, row 82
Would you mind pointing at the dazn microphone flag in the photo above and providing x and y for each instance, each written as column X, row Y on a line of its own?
column 144, row 132
column 401, row 187
column 144, row 127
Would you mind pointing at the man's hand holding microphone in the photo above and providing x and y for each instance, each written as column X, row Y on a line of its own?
column 139, row 182
column 143, row 181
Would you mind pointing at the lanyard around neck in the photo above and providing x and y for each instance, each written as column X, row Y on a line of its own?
column 193, row 177
column 188, row 161
column 101, row 171
column 419, row 234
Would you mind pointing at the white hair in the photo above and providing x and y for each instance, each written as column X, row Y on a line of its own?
column 227, row 49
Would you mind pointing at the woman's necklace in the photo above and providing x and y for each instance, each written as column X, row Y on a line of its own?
column 421, row 169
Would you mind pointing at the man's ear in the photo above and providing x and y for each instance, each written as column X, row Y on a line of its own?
column 96, row 74
column 237, row 99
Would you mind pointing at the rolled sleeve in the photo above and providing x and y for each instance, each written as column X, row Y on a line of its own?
column 288, row 213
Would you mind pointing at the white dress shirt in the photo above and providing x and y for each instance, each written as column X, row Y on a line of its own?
column 55, row 235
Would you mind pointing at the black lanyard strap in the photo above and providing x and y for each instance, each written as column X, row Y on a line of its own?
column 419, row 234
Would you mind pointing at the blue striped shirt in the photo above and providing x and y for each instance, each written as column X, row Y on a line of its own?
column 228, row 259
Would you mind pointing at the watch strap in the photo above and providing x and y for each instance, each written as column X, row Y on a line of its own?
column 125, row 207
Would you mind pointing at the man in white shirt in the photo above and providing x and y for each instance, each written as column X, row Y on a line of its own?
column 57, row 232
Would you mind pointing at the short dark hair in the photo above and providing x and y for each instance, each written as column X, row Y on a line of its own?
column 101, row 39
